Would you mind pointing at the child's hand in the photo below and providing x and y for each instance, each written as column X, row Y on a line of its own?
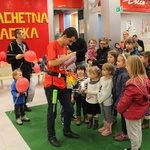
column 18, row 94
column 90, row 63
column 86, row 91
column 25, row 93
column 72, row 101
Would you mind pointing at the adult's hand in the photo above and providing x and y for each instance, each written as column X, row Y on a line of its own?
column 19, row 56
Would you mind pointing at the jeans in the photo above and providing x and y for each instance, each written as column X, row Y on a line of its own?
column 19, row 110
column 81, row 103
column 62, row 109
column 64, row 98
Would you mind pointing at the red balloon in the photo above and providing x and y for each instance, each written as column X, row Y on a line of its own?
column 22, row 84
column 2, row 55
column 36, row 68
column 30, row 56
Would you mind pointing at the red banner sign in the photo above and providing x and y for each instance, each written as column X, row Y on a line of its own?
column 28, row 15
column 68, row 3
column 135, row 5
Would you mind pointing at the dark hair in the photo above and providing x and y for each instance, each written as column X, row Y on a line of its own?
column 146, row 55
column 17, row 31
column 80, row 67
column 116, row 44
column 134, row 35
column 71, row 32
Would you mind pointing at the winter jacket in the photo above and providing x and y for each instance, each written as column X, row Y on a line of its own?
column 132, row 104
column 14, row 92
column 101, row 57
column 119, row 81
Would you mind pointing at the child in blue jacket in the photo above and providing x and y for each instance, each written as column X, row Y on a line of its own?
column 18, row 99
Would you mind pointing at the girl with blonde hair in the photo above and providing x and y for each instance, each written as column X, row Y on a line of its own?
column 93, row 86
column 133, row 104
column 105, row 98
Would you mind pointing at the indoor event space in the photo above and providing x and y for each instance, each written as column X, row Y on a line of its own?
column 75, row 74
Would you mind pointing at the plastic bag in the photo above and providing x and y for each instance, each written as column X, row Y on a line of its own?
column 31, row 90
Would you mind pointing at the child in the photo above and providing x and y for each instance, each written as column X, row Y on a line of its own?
column 145, row 57
column 118, row 48
column 78, row 96
column 112, row 57
column 132, row 104
column 18, row 99
column 119, row 81
column 92, row 50
column 105, row 98
column 92, row 84
column 131, row 47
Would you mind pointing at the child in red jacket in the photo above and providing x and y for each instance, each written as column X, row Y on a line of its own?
column 133, row 104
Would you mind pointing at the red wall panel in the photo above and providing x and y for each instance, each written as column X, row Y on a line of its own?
column 61, row 22
column 29, row 15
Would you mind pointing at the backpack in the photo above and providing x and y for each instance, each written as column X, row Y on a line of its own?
column 146, row 96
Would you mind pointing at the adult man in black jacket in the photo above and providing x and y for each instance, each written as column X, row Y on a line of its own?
column 15, row 56
column 140, row 42
column 80, row 47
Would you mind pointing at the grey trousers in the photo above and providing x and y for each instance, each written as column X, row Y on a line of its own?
column 135, row 133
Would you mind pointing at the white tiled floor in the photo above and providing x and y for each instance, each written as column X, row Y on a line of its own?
column 8, row 133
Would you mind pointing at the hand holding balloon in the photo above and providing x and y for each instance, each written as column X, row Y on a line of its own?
column 22, row 84
column 30, row 56
column 69, row 61
column 36, row 68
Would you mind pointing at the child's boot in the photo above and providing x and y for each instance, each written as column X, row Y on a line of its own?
column 90, row 123
column 18, row 121
column 25, row 118
column 103, row 128
column 78, row 121
column 108, row 129
column 95, row 126
column 86, row 120
column 145, row 124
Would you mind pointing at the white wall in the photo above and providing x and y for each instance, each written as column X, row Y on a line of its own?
column 56, row 24
column 137, row 17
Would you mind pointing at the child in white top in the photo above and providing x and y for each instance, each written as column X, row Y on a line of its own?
column 105, row 98
column 92, row 84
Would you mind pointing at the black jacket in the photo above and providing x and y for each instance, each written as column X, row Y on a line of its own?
column 101, row 57
column 80, row 47
column 140, row 42
column 12, row 50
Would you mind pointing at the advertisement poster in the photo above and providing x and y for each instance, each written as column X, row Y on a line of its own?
column 145, row 33
column 81, row 26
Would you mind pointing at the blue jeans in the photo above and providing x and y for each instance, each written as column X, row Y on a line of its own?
column 64, row 98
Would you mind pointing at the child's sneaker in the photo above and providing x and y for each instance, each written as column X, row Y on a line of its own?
column 25, row 118
column 18, row 121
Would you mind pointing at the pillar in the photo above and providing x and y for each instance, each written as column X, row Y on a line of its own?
column 50, row 11
column 111, row 20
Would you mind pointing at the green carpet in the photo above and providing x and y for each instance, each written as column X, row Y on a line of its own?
column 35, row 134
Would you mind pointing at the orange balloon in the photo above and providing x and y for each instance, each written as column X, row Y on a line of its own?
column 36, row 68
column 30, row 56
column 22, row 84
